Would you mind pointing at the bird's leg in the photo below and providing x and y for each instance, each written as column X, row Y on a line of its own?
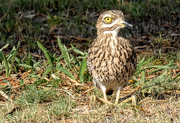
column 133, row 98
column 104, row 93
column 93, row 99
column 117, row 96
column 105, row 100
column 105, row 96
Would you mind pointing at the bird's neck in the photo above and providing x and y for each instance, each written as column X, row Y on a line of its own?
column 108, row 40
column 107, row 35
column 111, row 41
column 113, row 33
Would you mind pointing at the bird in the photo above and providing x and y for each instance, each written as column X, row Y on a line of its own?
column 111, row 59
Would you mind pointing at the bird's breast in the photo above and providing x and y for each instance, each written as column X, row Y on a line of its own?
column 110, row 63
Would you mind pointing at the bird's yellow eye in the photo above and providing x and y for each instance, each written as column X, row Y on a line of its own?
column 108, row 19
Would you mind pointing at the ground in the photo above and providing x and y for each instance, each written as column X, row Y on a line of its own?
column 43, row 50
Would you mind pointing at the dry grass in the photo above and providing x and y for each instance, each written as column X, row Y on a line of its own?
column 36, row 86
column 149, row 110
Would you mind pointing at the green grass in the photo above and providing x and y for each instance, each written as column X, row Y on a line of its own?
column 29, row 21
column 47, row 79
column 38, row 94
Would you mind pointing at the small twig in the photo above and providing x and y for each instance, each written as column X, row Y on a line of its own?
column 89, row 90
column 132, row 92
column 74, row 81
column 136, row 89
column 66, row 92
column 5, row 96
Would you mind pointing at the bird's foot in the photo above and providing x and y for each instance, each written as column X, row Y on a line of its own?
column 103, row 101
column 94, row 99
column 132, row 98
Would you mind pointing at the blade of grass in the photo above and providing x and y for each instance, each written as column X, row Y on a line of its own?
column 140, row 65
column 143, row 77
column 6, row 64
column 82, row 70
column 10, row 55
column 158, row 67
column 13, row 57
column 77, row 51
column 65, row 71
column 176, row 76
column 1, row 57
column 73, row 59
column 25, row 65
column 142, row 81
column 4, row 47
column 48, row 69
column 64, row 53
column 46, row 53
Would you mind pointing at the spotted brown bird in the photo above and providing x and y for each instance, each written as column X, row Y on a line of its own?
column 111, row 59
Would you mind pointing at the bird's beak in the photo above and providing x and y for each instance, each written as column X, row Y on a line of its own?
column 124, row 24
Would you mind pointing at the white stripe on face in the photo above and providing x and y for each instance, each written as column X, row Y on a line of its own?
column 114, row 32
column 108, row 15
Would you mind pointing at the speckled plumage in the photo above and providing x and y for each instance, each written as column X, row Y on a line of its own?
column 111, row 59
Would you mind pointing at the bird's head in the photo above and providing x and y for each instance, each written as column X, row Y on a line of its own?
column 111, row 22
